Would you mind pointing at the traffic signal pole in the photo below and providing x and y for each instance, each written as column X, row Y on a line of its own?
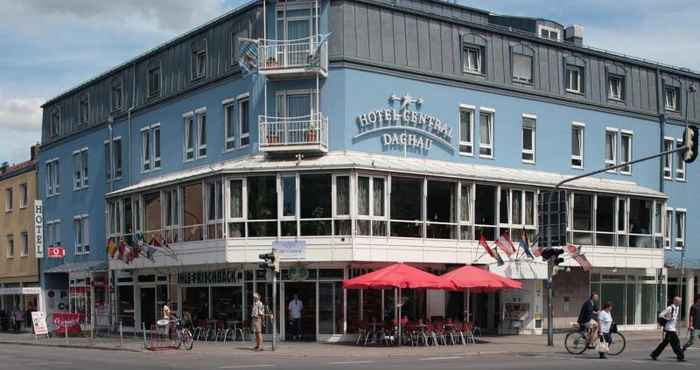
column 274, row 309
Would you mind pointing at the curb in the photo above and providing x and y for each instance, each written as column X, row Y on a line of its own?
column 75, row 346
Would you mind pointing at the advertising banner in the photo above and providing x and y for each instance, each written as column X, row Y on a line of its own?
column 66, row 321
column 39, row 323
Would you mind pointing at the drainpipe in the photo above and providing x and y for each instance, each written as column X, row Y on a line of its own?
column 662, row 125
column 129, row 114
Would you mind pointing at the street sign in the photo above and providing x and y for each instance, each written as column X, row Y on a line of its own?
column 39, row 228
column 552, row 218
column 290, row 249
column 56, row 252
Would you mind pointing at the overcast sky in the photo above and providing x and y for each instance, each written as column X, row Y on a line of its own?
column 50, row 46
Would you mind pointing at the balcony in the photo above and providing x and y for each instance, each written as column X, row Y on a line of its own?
column 293, row 134
column 283, row 59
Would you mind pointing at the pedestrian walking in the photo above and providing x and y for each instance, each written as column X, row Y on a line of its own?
column 668, row 318
column 296, row 306
column 257, row 315
column 693, row 322
column 606, row 321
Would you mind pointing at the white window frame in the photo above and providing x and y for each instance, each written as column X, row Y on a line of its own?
column 479, row 54
column 115, row 218
column 549, row 30
column 470, row 210
column 9, row 199
column 671, row 102
column 532, row 151
column 23, row 195
column 229, row 137
column 469, row 144
column 492, row 120
column 199, row 63
column 10, row 251
column 113, row 172
column 582, row 142
column 81, row 224
column 220, row 181
column 202, row 123
column 24, row 248
column 53, row 180
column 614, row 134
column 334, row 200
column 244, row 204
column 624, row 159
column 570, row 69
column 668, row 230
column 680, row 172
column 80, row 177
column 188, row 120
column 371, row 217
column 681, row 236
column 53, row 233
column 616, row 91
column 520, row 79
column 244, row 136
column 669, row 144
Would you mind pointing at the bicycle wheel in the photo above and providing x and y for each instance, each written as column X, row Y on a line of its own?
column 617, row 345
column 575, row 343
column 187, row 339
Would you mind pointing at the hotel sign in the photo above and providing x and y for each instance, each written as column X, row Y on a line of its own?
column 405, row 127
column 39, row 228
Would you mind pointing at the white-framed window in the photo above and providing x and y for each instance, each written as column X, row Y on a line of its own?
column 626, row 151
column 244, row 119
column 81, row 232
column 150, row 148
column 53, row 233
column 680, row 162
column 549, row 33
column 214, row 211
column 342, row 225
column 190, row 136
column 113, row 158
column 466, row 130
column 9, row 200
column 53, row 178
column 529, row 138
column 668, row 158
column 522, row 68
column 680, row 228
column 80, row 169
column 671, row 98
column 465, row 196
column 668, row 231
column 24, row 240
column 154, row 82
column 23, row 195
column 10, row 246
column 371, row 206
column 84, row 109
column 237, row 204
column 229, row 124
column 114, row 218
column 199, row 63
column 201, row 133
column 486, row 129
column 616, row 87
column 171, row 214
column 611, row 135
column 574, row 79
column 577, row 144
column 473, row 56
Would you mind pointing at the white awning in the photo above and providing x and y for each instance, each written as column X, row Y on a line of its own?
column 405, row 165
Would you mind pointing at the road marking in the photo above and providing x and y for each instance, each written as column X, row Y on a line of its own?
column 246, row 366
column 441, row 358
column 350, row 362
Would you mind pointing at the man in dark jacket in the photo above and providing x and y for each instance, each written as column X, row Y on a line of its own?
column 693, row 322
column 587, row 316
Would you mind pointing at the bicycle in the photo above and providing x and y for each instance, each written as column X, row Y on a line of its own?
column 577, row 341
column 184, row 336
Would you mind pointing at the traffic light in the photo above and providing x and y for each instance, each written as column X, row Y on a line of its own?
column 552, row 254
column 271, row 261
column 690, row 139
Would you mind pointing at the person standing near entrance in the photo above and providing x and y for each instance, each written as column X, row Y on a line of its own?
column 257, row 315
column 693, row 322
column 669, row 319
column 296, row 306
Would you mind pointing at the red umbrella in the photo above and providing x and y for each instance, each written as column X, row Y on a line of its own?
column 479, row 280
column 398, row 275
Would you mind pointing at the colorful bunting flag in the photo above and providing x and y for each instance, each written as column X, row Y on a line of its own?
column 583, row 262
column 502, row 243
column 524, row 245
column 492, row 252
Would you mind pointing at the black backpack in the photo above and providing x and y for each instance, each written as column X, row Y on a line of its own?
column 661, row 321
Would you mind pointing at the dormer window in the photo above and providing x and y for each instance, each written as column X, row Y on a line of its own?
column 574, row 79
column 616, row 87
column 55, row 123
column 154, row 82
column 84, row 109
column 473, row 59
column 550, row 33
column 671, row 94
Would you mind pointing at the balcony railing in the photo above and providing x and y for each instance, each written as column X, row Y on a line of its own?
column 293, row 57
column 304, row 133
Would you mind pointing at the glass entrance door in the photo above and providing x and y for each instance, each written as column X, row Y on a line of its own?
column 305, row 328
column 148, row 307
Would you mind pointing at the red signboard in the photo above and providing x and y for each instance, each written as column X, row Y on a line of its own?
column 66, row 321
column 56, row 252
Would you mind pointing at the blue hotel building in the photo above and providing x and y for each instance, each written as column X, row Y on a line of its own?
column 367, row 132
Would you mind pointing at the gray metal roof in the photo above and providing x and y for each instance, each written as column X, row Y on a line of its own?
column 339, row 160
column 78, row 266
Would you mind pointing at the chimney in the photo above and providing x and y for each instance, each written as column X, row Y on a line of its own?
column 574, row 34
column 3, row 167
column 34, row 152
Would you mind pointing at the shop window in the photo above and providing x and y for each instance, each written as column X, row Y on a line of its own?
column 605, row 220
column 330, row 307
column 315, row 204
column 262, row 206
column 193, row 212
column 640, row 216
column 151, row 218
column 227, row 303
column 195, row 304
column 125, row 305
column 441, row 207
column 582, row 217
column 485, row 211
column 215, row 203
column 406, row 207
column 371, row 206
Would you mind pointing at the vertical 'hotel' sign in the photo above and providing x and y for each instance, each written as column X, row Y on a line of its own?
column 39, row 228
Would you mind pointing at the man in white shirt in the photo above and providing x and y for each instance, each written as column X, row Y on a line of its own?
column 670, row 318
column 295, row 307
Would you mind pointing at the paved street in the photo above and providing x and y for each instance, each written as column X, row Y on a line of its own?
column 334, row 357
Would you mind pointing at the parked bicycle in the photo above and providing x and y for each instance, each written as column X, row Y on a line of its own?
column 577, row 341
column 183, row 335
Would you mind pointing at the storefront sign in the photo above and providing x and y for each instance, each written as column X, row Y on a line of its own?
column 290, row 249
column 39, row 228
column 210, row 277
column 66, row 321
column 404, row 127
column 39, row 323
column 56, row 252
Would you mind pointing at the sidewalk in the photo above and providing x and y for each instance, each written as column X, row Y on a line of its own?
column 489, row 346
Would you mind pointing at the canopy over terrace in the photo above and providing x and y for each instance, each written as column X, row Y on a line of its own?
column 478, row 280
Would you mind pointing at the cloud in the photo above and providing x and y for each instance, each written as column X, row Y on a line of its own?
column 20, row 114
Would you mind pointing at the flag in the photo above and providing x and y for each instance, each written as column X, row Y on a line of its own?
column 505, row 246
column 248, row 52
column 524, row 245
column 122, row 250
column 492, row 252
column 111, row 248
column 315, row 54
column 583, row 262
column 572, row 249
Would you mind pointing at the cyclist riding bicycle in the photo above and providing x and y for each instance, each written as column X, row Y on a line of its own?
column 587, row 318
